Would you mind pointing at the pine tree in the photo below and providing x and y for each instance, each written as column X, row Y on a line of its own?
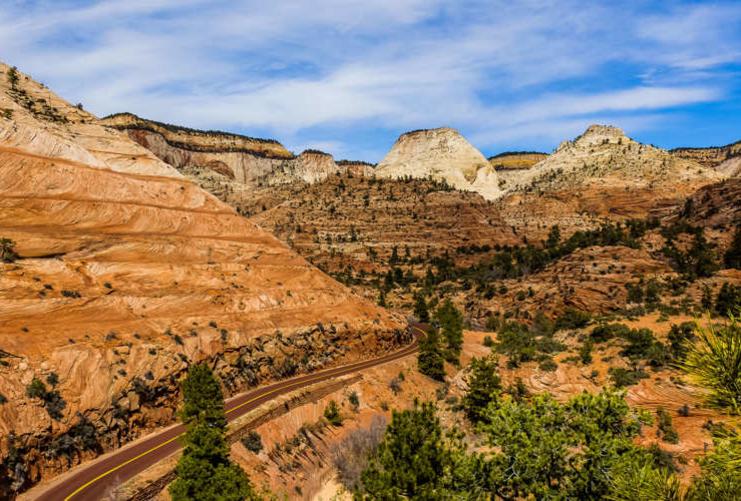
column 430, row 359
column 394, row 256
column 381, row 299
column 554, row 237
column 412, row 461
column 728, row 300
column 420, row 308
column 484, row 386
column 204, row 472
column 451, row 325
column 732, row 257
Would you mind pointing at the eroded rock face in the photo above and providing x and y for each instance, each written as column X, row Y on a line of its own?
column 311, row 166
column 127, row 273
column 215, row 158
column 511, row 167
column 358, row 167
column 516, row 160
column 716, row 157
column 442, row 154
column 241, row 159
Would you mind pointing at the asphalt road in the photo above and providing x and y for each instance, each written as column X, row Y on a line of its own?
column 93, row 481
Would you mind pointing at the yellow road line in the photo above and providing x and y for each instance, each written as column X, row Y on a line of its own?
column 102, row 475
column 329, row 373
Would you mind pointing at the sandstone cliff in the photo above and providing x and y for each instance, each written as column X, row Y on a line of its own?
column 216, row 159
column 126, row 274
column 515, row 160
column 442, row 154
column 310, row 166
column 726, row 159
column 512, row 166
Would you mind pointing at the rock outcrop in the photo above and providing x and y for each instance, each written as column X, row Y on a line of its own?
column 516, row 160
column 511, row 166
column 126, row 273
column 444, row 155
column 726, row 159
column 311, row 166
column 216, row 158
column 358, row 167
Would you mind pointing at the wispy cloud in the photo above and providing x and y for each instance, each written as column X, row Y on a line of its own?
column 507, row 73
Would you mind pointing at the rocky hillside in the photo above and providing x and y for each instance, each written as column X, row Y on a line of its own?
column 605, row 156
column 601, row 174
column 363, row 219
column 118, row 273
column 441, row 154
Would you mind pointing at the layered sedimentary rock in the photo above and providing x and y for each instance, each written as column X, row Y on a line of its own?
column 512, row 165
column 444, row 155
column 215, row 159
column 119, row 274
column 726, row 159
column 311, row 166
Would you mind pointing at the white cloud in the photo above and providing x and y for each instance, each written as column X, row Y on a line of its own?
column 497, row 69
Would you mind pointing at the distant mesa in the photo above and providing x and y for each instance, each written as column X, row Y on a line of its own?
column 442, row 154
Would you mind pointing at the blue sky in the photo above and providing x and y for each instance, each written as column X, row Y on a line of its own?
column 348, row 76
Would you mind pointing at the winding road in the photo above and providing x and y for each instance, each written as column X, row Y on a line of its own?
column 94, row 480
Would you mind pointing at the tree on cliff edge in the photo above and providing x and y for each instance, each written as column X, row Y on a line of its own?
column 204, row 472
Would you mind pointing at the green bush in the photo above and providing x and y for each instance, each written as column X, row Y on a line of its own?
column 665, row 428
column 354, row 400
column 732, row 257
column 571, row 318
column 643, row 345
column 585, row 351
column 605, row 332
column 332, row 413
column 253, row 442
column 622, row 377
column 7, row 252
column 728, row 300
column 548, row 365
column 679, row 337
